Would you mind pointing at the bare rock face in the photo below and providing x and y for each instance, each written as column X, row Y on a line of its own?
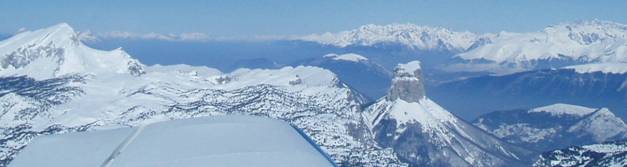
column 407, row 83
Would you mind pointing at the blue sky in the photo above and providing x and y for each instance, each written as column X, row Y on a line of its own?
column 287, row 17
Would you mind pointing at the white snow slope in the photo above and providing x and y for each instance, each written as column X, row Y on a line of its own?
column 346, row 57
column 564, row 109
column 611, row 68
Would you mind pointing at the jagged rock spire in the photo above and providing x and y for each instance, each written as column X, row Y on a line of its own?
column 407, row 83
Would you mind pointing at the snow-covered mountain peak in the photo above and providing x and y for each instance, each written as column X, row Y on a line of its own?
column 567, row 43
column 603, row 125
column 56, row 51
column 564, row 109
column 407, row 83
column 589, row 31
column 413, row 36
column 406, row 101
column 604, row 112
column 426, row 134
column 61, row 35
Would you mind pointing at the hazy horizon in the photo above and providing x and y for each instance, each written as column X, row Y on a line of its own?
column 284, row 18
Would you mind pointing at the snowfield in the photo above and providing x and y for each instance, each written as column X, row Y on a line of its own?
column 564, row 109
column 346, row 57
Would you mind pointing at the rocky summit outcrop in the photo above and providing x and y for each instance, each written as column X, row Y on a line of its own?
column 407, row 83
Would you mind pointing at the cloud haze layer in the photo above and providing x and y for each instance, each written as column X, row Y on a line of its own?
column 281, row 17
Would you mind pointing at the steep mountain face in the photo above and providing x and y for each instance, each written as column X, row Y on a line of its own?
column 424, row 134
column 606, row 154
column 366, row 77
column 102, row 90
column 556, row 46
column 409, row 35
column 533, row 88
column 555, row 126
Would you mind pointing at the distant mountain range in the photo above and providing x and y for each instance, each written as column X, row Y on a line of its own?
column 413, row 36
column 556, row 46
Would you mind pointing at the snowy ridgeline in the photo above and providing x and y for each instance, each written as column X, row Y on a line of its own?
column 213, row 141
column 558, row 45
column 418, row 37
column 612, row 68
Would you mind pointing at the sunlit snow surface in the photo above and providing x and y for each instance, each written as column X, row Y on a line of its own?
column 585, row 41
column 211, row 141
column 346, row 57
column 564, row 109
column 56, row 51
column 614, row 68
